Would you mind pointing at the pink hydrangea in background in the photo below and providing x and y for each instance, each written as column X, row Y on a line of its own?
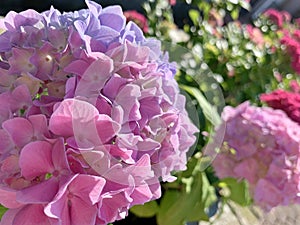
column 262, row 146
column 288, row 102
column 138, row 18
column 91, row 117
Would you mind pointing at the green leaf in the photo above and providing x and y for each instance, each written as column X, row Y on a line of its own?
column 208, row 197
column 194, row 15
column 147, row 210
column 238, row 191
column 209, row 110
column 235, row 13
column 189, row 205
column 2, row 210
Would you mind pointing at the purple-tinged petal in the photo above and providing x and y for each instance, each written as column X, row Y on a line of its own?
column 94, row 7
column 27, row 18
column 127, row 98
column 20, row 130
column 20, row 61
column 43, row 59
column 113, row 86
column 133, row 31
column 77, row 67
column 113, row 17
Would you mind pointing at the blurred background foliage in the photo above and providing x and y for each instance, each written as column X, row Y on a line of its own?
column 217, row 56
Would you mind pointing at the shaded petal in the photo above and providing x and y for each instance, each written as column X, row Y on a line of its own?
column 141, row 194
column 142, row 168
column 94, row 77
column 87, row 187
column 31, row 214
column 8, row 198
column 82, row 213
column 128, row 100
column 59, row 157
column 112, row 16
column 43, row 192
column 9, row 216
column 5, row 141
column 57, row 207
column 20, row 130
column 106, row 128
column 71, row 116
column 40, row 127
column 39, row 152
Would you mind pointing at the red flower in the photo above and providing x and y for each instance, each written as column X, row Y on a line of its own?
column 288, row 102
column 278, row 17
column 138, row 18
column 293, row 48
column 295, row 87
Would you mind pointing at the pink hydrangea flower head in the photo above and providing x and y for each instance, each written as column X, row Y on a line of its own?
column 91, row 117
column 262, row 146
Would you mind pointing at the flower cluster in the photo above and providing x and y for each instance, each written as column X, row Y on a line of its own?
column 278, row 17
column 262, row 146
column 91, row 117
column 288, row 102
column 292, row 43
column 255, row 35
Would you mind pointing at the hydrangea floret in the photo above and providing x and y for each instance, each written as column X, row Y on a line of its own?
column 91, row 117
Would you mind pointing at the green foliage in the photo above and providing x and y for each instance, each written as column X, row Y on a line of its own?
column 209, row 110
column 186, row 199
column 236, row 191
column 188, row 204
column 2, row 210
column 149, row 209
